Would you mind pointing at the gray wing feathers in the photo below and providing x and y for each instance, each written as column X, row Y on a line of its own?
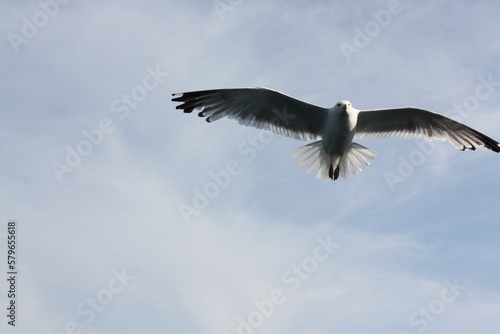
column 420, row 123
column 258, row 107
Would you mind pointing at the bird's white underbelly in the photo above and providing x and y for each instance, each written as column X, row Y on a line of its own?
column 337, row 134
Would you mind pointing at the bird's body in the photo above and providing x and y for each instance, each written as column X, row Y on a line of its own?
column 338, row 132
column 335, row 154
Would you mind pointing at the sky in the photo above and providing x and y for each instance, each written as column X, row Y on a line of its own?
column 133, row 217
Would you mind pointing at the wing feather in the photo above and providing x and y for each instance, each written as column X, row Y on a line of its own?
column 258, row 107
column 420, row 123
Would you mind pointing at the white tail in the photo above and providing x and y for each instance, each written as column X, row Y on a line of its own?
column 329, row 167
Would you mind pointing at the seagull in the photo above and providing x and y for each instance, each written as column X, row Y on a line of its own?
column 334, row 153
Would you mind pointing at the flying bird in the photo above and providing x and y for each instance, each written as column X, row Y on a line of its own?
column 334, row 153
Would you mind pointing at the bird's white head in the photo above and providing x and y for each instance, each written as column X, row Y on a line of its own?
column 343, row 105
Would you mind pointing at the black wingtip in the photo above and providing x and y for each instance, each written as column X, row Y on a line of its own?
column 178, row 97
column 495, row 147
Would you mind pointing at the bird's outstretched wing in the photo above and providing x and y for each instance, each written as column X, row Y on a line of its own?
column 419, row 123
column 258, row 107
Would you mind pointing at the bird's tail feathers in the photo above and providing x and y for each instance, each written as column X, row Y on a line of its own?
column 355, row 159
column 330, row 166
column 312, row 158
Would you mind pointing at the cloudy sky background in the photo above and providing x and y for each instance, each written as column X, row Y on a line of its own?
column 104, row 248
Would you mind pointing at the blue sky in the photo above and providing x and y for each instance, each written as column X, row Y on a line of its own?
column 97, row 162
